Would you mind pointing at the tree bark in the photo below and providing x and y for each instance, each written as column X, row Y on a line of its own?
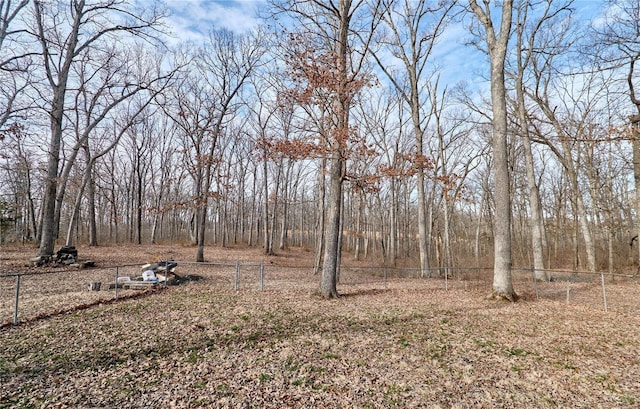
column 338, row 143
column 635, row 142
column 320, row 219
column 58, row 59
column 537, row 222
column 328, row 287
column 267, row 244
column 497, row 47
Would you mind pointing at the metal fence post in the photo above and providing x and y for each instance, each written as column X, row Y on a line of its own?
column 237, row 278
column 604, row 291
column 116, row 285
column 446, row 278
column 15, row 311
column 262, row 275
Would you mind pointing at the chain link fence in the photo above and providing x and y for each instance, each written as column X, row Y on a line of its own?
column 26, row 296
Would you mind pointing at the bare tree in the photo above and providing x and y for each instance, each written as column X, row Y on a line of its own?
column 497, row 41
column 530, row 23
column 617, row 47
column 17, row 171
column 101, row 102
column 413, row 29
column 571, row 121
column 382, row 116
column 65, row 35
column 14, row 62
column 205, row 102
column 327, row 61
column 261, row 121
column 164, row 168
column 455, row 158
column 567, row 105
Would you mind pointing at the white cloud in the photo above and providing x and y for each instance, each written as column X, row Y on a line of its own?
column 191, row 20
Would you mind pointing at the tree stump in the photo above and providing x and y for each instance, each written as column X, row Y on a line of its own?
column 95, row 286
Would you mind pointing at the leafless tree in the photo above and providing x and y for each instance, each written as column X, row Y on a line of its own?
column 328, row 55
column 103, row 111
column 497, row 40
column 66, row 35
column 617, row 47
column 15, row 62
column 205, row 102
column 410, row 33
column 532, row 23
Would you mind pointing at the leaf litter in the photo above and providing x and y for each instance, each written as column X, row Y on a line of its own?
column 409, row 346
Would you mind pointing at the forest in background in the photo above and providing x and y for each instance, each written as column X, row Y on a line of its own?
column 110, row 135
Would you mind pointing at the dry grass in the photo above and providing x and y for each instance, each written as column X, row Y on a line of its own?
column 412, row 345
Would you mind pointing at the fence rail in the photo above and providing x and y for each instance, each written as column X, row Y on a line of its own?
column 35, row 294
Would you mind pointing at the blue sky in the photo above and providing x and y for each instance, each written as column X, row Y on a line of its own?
column 191, row 20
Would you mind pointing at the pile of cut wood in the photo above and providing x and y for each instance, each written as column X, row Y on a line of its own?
column 65, row 256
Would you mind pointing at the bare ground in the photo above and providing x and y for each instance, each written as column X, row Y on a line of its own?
column 411, row 344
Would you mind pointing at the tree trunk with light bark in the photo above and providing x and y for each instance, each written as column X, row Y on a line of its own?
column 497, row 48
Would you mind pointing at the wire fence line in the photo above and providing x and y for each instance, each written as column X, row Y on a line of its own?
column 29, row 295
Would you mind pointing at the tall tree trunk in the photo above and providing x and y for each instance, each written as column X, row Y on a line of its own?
column 476, row 248
column 139, row 199
column 328, row 287
column 267, row 243
column 91, row 202
column 537, row 222
column 154, row 228
column 393, row 224
column 497, row 47
column 423, row 236
column 339, row 139
column 635, row 142
column 446, row 219
column 583, row 221
column 320, row 222
column 253, row 209
column 274, row 210
column 284, row 226
column 198, row 218
column 358, row 231
column 31, row 205
column 76, row 209
column 201, row 228
column 114, row 210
